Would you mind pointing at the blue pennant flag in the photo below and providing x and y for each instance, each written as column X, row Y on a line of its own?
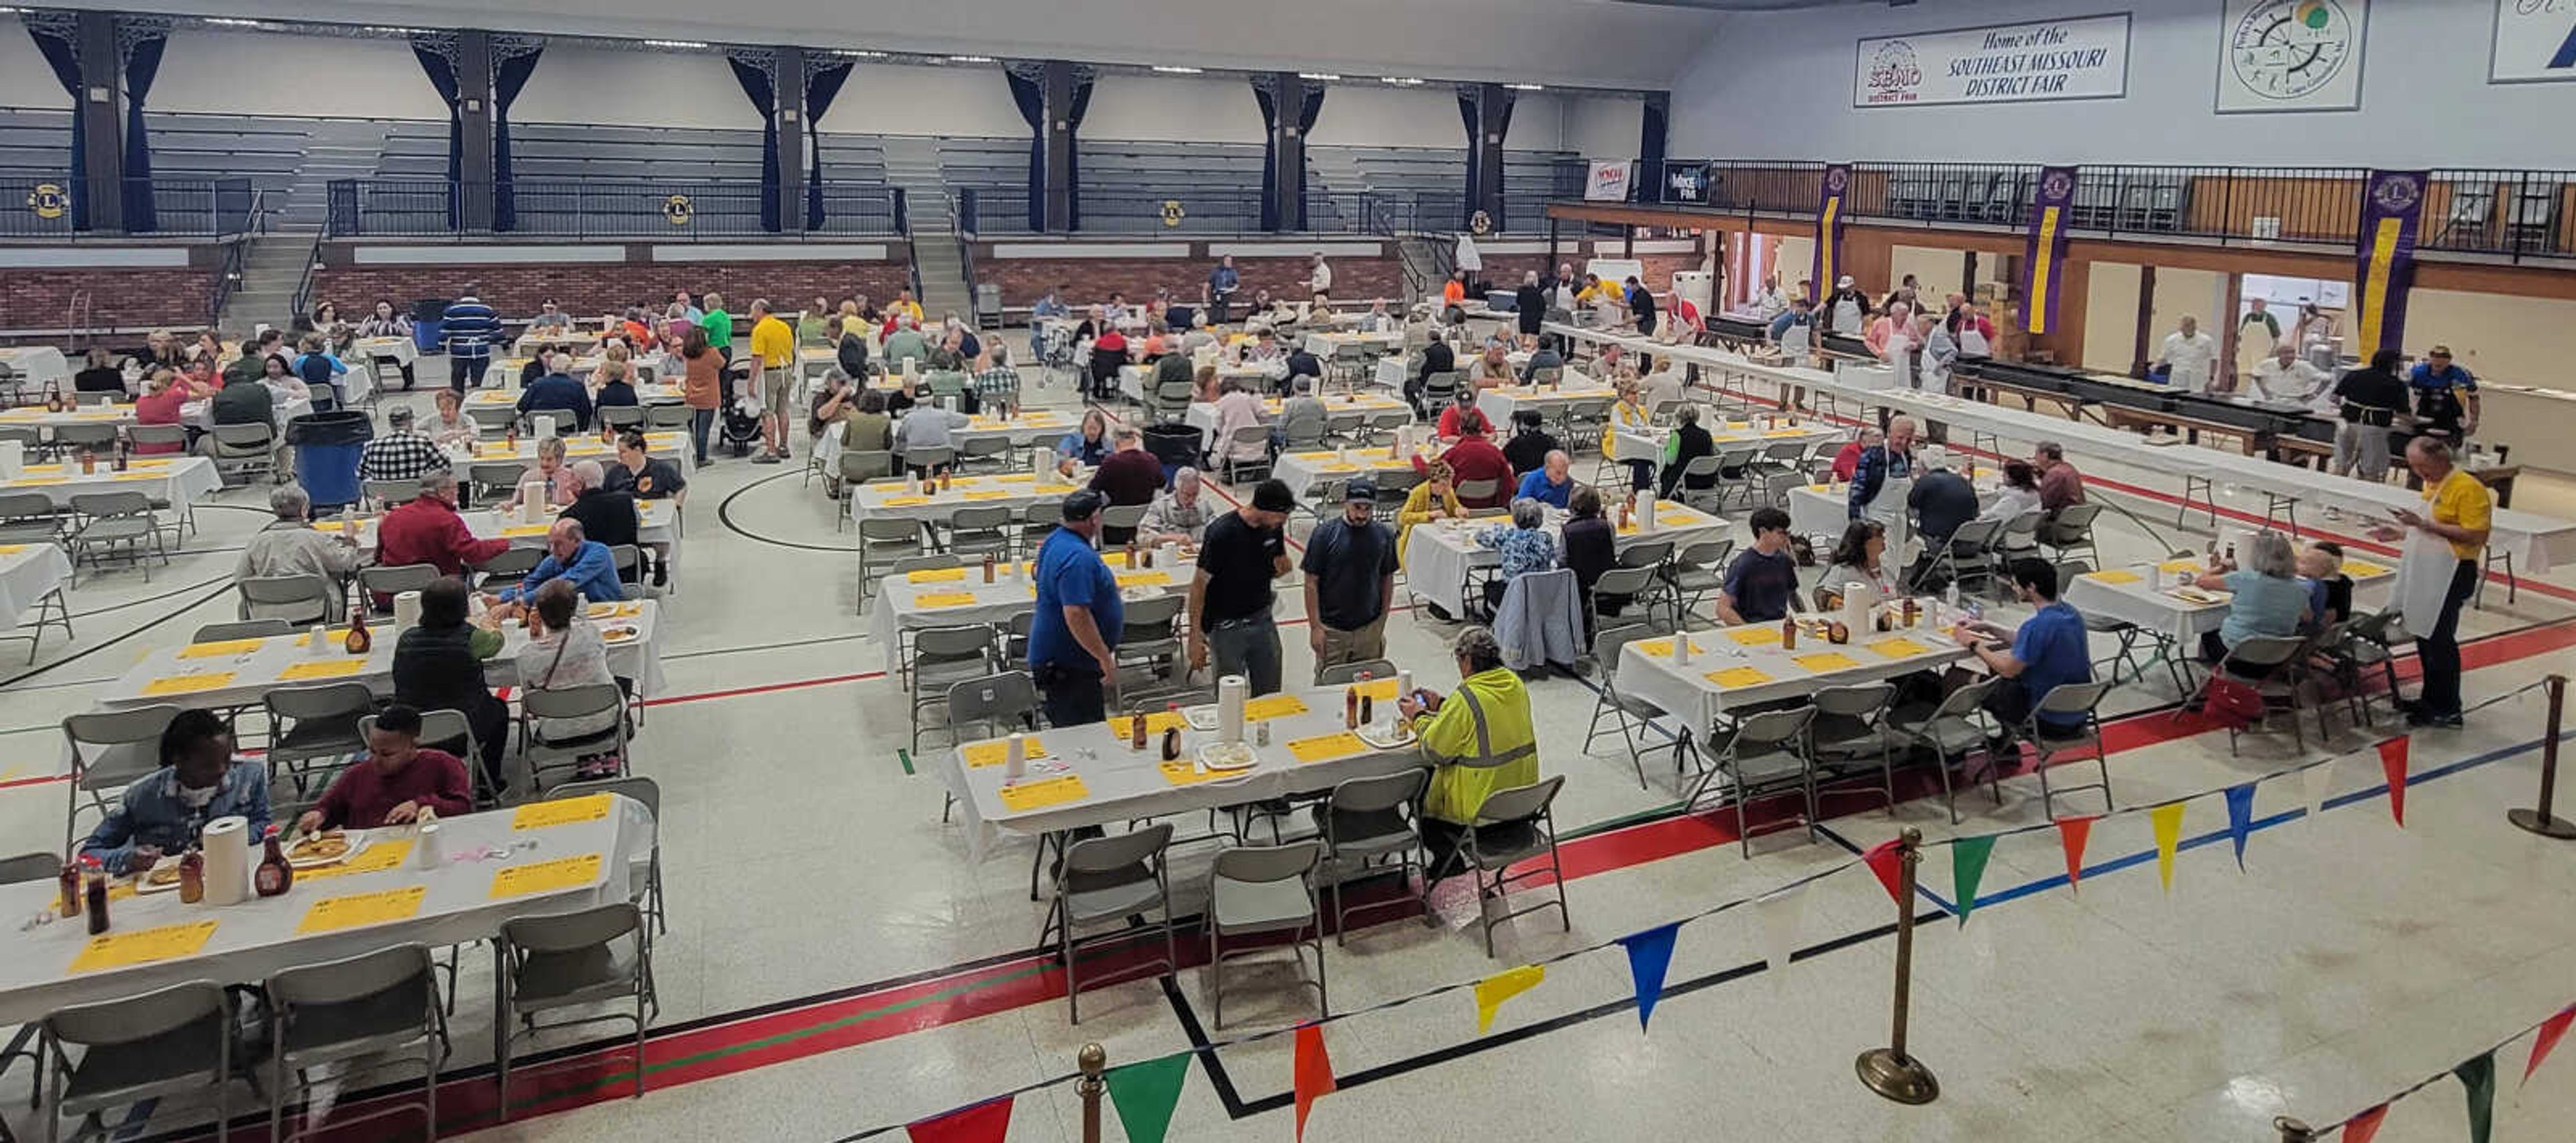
column 1649, row 954
column 2240, row 819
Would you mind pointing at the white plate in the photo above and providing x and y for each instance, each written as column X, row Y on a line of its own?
column 357, row 839
column 145, row 885
column 1139, row 593
column 1200, row 717
column 1388, row 737
column 1221, row 758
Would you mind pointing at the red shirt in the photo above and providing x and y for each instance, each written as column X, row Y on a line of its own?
column 361, row 795
column 427, row 531
column 1476, row 458
column 1129, row 476
column 1847, row 461
column 1110, row 339
column 162, row 408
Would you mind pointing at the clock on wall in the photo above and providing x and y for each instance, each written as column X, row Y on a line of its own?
column 2284, row 54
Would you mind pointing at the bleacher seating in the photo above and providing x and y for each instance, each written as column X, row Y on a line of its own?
column 1125, row 183
column 35, row 143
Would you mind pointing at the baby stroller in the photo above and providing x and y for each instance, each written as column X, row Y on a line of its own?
column 738, row 426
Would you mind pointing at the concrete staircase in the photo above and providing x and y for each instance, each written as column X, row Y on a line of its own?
column 912, row 163
column 271, row 269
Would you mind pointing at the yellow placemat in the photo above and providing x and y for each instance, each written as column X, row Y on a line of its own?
column 1661, row 648
column 223, row 648
column 561, row 811
column 1156, row 722
column 375, row 858
column 12, row 549
column 986, row 494
column 1326, row 455
column 936, row 575
column 1144, row 579
column 1324, row 747
column 905, row 501
column 523, row 531
column 1739, row 677
column 2181, row 566
column 1899, row 648
column 943, row 599
column 1787, row 432
column 320, row 669
column 1017, row 478
column 1046, row 792
column 996, row 753
column 1183, row 772
column 2360, row 569
column 1754, row 636
column 184, row 684
column 33, row 481
column 2113, row 576
column 545, row 876
column 1383, row 690
column 1272, row 706
column 142, row 946
column 352, row 910
column 1827, row 661
column 614, row 610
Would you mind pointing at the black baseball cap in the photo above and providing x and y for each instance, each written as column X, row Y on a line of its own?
column 1360, row 489
column 1273, row 496
column 1083, row 505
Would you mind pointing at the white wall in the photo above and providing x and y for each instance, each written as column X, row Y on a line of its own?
column 1601, row 128
column 899, row 99
column 26, row 80
column 1174, row 108
column 1773, row 85
column 1386, row 116
column 259, row 73
column 648, row 89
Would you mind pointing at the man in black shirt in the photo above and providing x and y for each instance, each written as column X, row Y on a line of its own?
column 1941, row 500
column 1641, row 305
column 1529, row 304
column 1761, row 586
column 606, row 516
column 646, row 477
column 2368, row 400
column 1530, row 443
column 1436, row 358
column 1350, row 575
column 1230, row 597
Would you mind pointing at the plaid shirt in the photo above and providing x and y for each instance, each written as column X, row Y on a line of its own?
column 401, row 456
column 999, row 381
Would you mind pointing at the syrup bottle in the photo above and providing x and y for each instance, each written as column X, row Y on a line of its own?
column 94, row 889
column 274, row 875
column 68, row 896
column 1789, row 633
column 358, row 640
column 192, row 877
column 1172, row 734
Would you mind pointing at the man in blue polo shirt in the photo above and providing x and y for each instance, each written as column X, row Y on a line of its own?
column 1073, row 637
column 2446, row 398
column 1552, row 483
column 2049, row 651
column 573, row 556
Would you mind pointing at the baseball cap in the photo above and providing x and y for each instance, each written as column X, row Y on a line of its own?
column 1084, row 505
column 1360, row 489
column 1273, row 496
column 2441, row 351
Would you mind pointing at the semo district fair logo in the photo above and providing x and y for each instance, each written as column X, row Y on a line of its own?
column 1894, row 73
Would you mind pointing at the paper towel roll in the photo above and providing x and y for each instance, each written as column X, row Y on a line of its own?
column 1230, row 693
column 545, row 426
column 532, row 502
column 1857, row 600
column 1645, row 513
column 226, row 842
column 406, row 610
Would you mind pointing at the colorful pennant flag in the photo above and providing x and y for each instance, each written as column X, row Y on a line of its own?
column 1781, row 914
column 1889, row 864
column 2072, row 833
column 1649, row 954
column 2167, row 822
column 985, row 1122
column 2392, row 762
column 1502, row 986
column 1314, row 1073
column 2552, row 1030
column 2240, row 819
column 2365, row 1125
column 1967, row 867
column 1145, row 1095
column 2478, row 1076
column 2314, row 783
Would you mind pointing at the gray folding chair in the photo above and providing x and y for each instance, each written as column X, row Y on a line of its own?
column 112, row 522
column 2069, row 530
column 1239, row 455
column 1150, row 641
column 390, row 491
column 30, row 518
column 930, row 458
column 592, row 701
column 1479, row 491
column 242, row 629
column 2274, row 665
column 109, row 749
column 1628, row 587
column 1264, row 891
column 1952, row 731
column 511, row 565
column 1344, row 674
column 1119, row 521
column 368, row 1010
column 1514, row 825
column 647, row 793
column 315, row 724
column 622, row 417
column 939, row 657
column 494, row 479
column 392, row 581
column 979, row 530
column 1631, row 715
column 883, row 542
column 990, row 707
column 1370, row 820
column 859, row 466
column 583, row 959
column 1851, row 727
column 244, row 449
column 169, row 1042
column 1105, row 879
column 142, row 436
column 1765, row 754
column 662, row 418
column 2076, row 702
column 1694, row 574
column 302, row 600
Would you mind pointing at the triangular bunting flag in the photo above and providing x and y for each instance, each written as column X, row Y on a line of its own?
column 1145, row 1095
column 1314, row 1073
column 2392, row 762
column 1967, row 867
column 2478, row 1076
column 2072, row 833
column 1889, row 864
column 1780, row 914
column 1502, row 986
column 2314, row 783
column 2552, row 1030
column 2361, row 1127
column 2240, row 819
column 2167, row 822
column 1649, row 954
column 985, row 1122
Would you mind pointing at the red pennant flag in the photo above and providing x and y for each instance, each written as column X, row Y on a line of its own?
column 2392, row 762
column 2072, row 833
column 983, row 1123
column 2364, row 1125
column 2551, row 1031
column 1889, row 864
column 1314, row 1073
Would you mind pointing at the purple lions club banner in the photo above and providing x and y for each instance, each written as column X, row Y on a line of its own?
column 2044, row 261
column 1829, row 227
column 2392, row 205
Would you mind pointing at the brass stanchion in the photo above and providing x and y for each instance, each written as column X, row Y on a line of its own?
column 1093, row 1060
column 2538, row 819
column 1889, row 1071
column 2293, row 1131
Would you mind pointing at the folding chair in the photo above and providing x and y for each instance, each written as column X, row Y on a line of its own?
column 1264, row 891
column 1366, row 820
column 361, row 1012
column 1765, row 753
column 1953, row 730
column 1515, row 826
column 582, row 959
column 647, row 793
column 169, row 1042
column 107, row 522
column 1851, row 726
column 1629, row 714
column 2052, row 741
column 311, row 724
column 566, row 704
column 1109, row 878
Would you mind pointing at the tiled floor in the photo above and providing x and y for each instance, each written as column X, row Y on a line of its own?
column 836, row 964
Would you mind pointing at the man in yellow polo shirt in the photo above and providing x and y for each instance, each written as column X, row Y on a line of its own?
column 773, row 376
column 1479, row 740
column 2459, row 510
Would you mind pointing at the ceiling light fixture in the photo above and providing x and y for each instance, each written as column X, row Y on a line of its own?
column 1169, row 70
column 1526, row 86
column 230, row 22
column 970, row 59
column 682, row 45
column 1326, row 76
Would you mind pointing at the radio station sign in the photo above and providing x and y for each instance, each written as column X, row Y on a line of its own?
column 2085, row 58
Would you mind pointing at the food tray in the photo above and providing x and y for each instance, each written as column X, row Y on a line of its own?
column 1388, row 736
column 1225, row 758
column 357, row 839
column 1200, row 717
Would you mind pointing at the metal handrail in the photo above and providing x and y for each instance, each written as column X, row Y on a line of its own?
column 235, row 249
column 303, row 301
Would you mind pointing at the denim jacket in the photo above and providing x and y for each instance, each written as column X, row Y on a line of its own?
column 152, row 813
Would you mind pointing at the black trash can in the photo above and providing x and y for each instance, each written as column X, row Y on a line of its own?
column 1175, row 444
column 428, row 324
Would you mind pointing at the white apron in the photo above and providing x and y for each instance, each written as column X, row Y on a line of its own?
column 2425, row 565
column 1971, row 342
column 1900, row 359
column 1847, row 317
column 2253, row 346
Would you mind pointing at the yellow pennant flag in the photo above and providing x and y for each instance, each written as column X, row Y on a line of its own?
column 2167, row 821
column 1502, row 986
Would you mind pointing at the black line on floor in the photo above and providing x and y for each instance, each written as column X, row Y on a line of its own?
column 724, row 516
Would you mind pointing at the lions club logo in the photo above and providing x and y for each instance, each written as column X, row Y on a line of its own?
column 678, row 210
column 48, row 201
column 2396, row 194
column 2056, row 185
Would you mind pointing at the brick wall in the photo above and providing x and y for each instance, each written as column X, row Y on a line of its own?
column 1086, row 280
column 587, row 289
column 125, row 299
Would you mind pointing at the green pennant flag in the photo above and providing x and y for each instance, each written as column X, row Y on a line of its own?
column 1146, row 1093
column 1967, row 866
column 2478, row 1076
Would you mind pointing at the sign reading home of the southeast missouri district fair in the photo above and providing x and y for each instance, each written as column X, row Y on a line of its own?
column 2082, row 58
column 2535, row 40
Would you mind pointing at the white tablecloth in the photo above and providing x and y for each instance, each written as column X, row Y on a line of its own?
column 1498, row 405
column 27, row 573
column 1305, row 473
column 670, row 446
column 658, row 516
column 258, row 936
column 42, row 417
column 899, row 603
column 1324, row 345
column 2148, row 599
column 1122, row 784
column 1437, row 557
column 1014, row 490
column 399, row 350
column 1338, row 407
column 38, row 366
column 1021, row 430
column 178, row 479
column 1647, row 670
column 534, row 339
column 239, row 679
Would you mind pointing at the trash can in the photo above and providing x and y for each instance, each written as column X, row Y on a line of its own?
column 428, row 324
column 1175, row 444
column 327, row 447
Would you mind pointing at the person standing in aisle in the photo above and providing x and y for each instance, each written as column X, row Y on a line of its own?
column 1641, row 306
column 2189, row 356
column 2369, row 401
column 1073, row 635
column 2459, row 511
column 1350, row 577
column 1846, row 310
column 468, row 328
column 2256, row 333
column 719, row 327
column 773, row 375
column 2446, row 398
column 1319, row 277
column 1529, row 304
column 1223, row 283
column 1230, row 597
